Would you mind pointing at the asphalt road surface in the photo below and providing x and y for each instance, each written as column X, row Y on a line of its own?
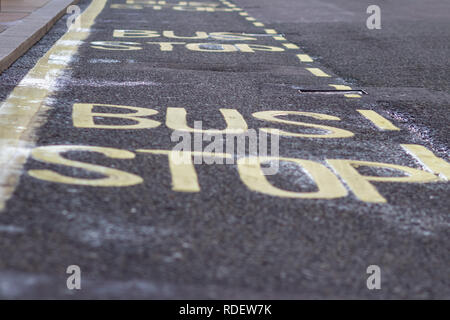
column 362, row 118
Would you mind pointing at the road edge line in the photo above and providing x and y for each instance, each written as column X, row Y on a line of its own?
column 21, row 112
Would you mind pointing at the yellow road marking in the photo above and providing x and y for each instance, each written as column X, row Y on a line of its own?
column 113, row 177
column 84, row 117
column 290, row 46
column 270, row 31
column 276, row 37
column 379, row 121
column 19, row 112
column 243, row 13
column 250, row 19
column 184, row 176
column 331, row 132
column 243, row 47
column 317, row 72
column 340, row 87
column 343, row 88
column 304, row 58
column 176, row 120
column 181, row 166
column 429, row 160
column 328, row 185
column 258, row 24
column 361, row 184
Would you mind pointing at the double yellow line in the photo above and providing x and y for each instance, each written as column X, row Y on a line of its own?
column 22, row 112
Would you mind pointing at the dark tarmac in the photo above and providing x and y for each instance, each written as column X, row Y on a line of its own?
column 227, row 241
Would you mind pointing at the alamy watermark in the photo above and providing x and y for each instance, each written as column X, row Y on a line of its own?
column 374, row 280
column 226, row 147
column 74, row 280
column 74, row 20
column 374, row 20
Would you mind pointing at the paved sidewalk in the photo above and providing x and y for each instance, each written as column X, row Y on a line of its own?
column 12, row 12
column 23, row 23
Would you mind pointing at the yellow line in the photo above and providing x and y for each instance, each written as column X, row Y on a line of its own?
column 280, row 38
column 304, row 58
column 270, row 31
column 22, row 112
column 258, row 24
column 379, row 121
column 427, row 159
column 243, row 13
column 290, row 46
column 343, row 88
column 250, row 19
column 340, row 87
column 317, row 72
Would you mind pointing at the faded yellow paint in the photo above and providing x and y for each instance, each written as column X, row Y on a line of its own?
column 119, row 33
column 207, row 9
column 83, row 116
column 166, row 46
column 126, row 6
column 361, row 185
column 20, row 112
column 318, row 72
column 223, row 47
column 329, row 186
column 116, row 45
column 275, row 33
column 230, row 36
column 429, row 160
column 182, row 170
column 332, row 132
column 176, row 120
column 379, row 121
column 258, row 24
column 340, row 87
column 290, row 46
column 304, row 58
column 198, row 35
column 114, row 177
column 251, row 48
